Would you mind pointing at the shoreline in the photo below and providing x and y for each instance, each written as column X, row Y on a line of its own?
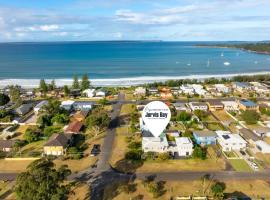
column 121, row 82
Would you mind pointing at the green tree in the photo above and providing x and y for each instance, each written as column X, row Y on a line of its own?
column 50, row 130
column 183, row 116
column 85, row 84
column 75, row 84
column 74, row 153
column 42, row 181
column 4, row 99
column 199, row 152
column 218, row 190
column 15, row 96
column 31, row 135
column 201, row 114
column 250, row 116
column 43, row 86
column 163, row 156
column 98, row 117
column 66, row 90
column 44, row 120
column 62, row 118
column 103, row 101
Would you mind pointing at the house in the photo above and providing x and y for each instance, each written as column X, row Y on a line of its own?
column 262, row 146
column 184, row 146
column 241, row 86
column 40, row 105
column 262, row 131
column 83, row 105
column 100, row 93
column 89, row 93
column 6, row 145
column 230, row 142
column 198, row 106
column 140, row 91
column 198, row 89
column 230, row 105
column 75, row 93
column 215, row 105
column 222, row 88
column 154, row 144
column 153, row 91
column 67, row 105
column 260, row 88
column 9, row 132
column 245, row 104
column 187, row 89
column 248, row 135
column 80, row 115
column 166, row 95
column 205, row 137
column 57, row 144
column 74, row 127
column 181, row 107
column 23, row 109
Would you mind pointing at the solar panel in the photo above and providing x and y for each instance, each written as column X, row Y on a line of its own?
column 225, row 137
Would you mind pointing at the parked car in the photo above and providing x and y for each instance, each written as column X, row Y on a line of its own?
column 95, row 150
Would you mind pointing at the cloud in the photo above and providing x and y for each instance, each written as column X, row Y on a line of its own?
column 148, row 19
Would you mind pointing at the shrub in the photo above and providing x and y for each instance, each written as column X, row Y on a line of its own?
column 250, row 116
column 163, row 156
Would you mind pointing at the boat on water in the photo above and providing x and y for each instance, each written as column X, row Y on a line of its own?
column 222, row 54
column 226, row 63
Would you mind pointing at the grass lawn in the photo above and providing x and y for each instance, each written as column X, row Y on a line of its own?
column 230, row 154
column 183, row 165
column 8, row 166
column 21, row 130
column 253, row 189
column 265, row 158
column 33, row 149
column 86, row 161
column 119, row 146
column 240, row 165
column 127, row 109
column 214, row 126
column 223, row 116
column 77, row 165
column 80, row 191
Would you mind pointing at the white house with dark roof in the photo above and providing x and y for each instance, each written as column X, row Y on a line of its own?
column 230, row 142
column 40, row 105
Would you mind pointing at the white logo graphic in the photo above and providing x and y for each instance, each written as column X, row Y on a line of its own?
column 156, row 115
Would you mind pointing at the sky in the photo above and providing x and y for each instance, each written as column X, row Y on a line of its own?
column 170, row 20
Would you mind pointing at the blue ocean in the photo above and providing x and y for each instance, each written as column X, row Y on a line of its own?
column 123, row 61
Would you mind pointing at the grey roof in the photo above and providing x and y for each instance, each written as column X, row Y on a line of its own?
column 24, row 108
column 58, row 140
column 41, row 104
column 7, row 143
column 205, row 133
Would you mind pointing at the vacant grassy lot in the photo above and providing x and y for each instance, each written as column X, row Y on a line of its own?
column 183, row 165
column 253, row 189
column 240, row 165
column 33, row 149
column 127, row 109
column 214, row 126
column 223, row 116
column 265, row 158
column 119, row 146
column 7, row 166
column 80, row 191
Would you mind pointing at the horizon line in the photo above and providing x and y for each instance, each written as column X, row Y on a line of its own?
column 74, row 41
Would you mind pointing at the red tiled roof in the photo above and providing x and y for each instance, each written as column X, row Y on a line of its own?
column 74, row 127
